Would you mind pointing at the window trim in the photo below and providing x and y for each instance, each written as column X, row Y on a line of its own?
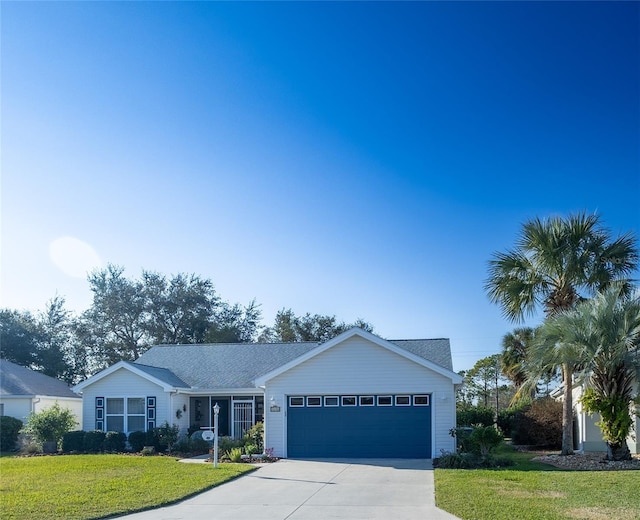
column 390, row 397
column 292, row 397
column 402, row 396
column 343, row 397
column 336, row 397
column 319, row 398
column 426, row 396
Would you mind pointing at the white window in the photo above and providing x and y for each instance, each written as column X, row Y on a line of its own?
column 366, row 400
column 420, row 400
column 331, row 400
column 403, row 400
column 135, row 414
column 296, row 401
column 115, row 414
column 385, row 400
column 348, row 400
column 314, row 401
column 124, row 414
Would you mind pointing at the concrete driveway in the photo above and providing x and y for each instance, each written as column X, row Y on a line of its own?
column 364, row 489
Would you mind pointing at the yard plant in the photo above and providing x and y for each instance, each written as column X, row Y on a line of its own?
column 533, row 491
column 83, row 487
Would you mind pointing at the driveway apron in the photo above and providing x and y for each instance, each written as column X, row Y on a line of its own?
column 319, row 489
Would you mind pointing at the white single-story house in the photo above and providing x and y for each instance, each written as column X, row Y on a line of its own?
column 356, row 395
column 587, row 436
column 24, row 391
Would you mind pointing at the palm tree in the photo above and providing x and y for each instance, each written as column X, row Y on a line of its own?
column 557, row 263
column 601, row 338
column 515, row 346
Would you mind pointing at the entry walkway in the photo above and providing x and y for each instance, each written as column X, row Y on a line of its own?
column 363, row 489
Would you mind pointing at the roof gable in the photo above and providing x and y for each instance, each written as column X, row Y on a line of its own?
column 420, row 347
column 19, row 380
column 158, row 375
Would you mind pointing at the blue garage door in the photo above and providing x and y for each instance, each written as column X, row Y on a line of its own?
column 383, row 426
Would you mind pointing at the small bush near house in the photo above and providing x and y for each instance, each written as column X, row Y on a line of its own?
column 475, row 416
column 475, row 447
column 539, row 424
column 94, row 441
column 191, row 446
column 255, row 436
column 50, row 424
column 226, row 444
column 163, row 437
column 137, row 441
column 73, row 441
column 9, row 429
column 250, row 449
column 235, row 455
column 115, row 442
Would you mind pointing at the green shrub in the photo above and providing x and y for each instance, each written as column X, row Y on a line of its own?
column 539, row 424
column 474, row 416
column 73, row 441
column 50, row 424
column 250, row 449
column 226, row 444
column 9, row 429
column 484, row 439
column 235, row 455
column 115, row 442
column 164, row 437
column 507, row 419
column 255, row 436
column 137, row 441
column 457, row 461
column 470, row 461
column 192, row 445
column 94, row 441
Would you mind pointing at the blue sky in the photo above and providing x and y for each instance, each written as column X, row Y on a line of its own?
column 357, row 159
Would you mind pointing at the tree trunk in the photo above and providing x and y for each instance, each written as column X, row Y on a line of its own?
column 567, row 411
column 618, row 452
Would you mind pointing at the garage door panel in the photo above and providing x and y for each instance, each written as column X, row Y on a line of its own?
column 359, row 431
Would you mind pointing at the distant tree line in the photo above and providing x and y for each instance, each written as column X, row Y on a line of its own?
column 127, row 316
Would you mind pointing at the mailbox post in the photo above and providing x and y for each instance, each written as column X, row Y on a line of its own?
column 216, row 411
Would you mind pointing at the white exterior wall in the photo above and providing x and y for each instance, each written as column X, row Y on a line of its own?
column 21, row 407
column 358, row 366
column 124, row 383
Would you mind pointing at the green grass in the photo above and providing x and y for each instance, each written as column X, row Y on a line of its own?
column 83, row 487
column 533, row 491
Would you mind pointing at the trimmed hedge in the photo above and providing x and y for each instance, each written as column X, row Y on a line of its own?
column 94, row 441
column 115, row 442
column 137, row 441
column 73, row 441
column 9, row 429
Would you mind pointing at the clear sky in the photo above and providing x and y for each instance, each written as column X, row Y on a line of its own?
column 357, row 159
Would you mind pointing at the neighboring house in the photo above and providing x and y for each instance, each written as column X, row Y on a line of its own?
column 356, row 395
column 588, row 436
column 23, row 391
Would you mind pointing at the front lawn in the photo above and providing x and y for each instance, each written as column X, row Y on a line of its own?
column 83, row 487
column 533, row 491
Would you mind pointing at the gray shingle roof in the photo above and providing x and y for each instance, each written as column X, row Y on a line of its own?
column 163, row 374
column 436, row 350
column 19, row 380
column 234, row 365
column 223, row 365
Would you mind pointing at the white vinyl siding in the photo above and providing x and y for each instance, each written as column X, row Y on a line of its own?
column 360, row 367
column 124, row 384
